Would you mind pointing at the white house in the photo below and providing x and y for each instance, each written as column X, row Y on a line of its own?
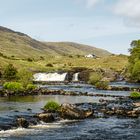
column 91, row 56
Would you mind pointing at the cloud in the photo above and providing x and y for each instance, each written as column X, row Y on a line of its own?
column 129, row 9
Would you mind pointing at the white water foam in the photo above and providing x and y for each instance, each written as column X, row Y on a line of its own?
column 50, row 77
column 75, row 77
column 16, row 132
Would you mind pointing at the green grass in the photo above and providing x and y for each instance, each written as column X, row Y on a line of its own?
column 52, row 106
column 135, row 95
column 116, row 63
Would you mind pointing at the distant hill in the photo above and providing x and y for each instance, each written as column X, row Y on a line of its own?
column 75, row 48
column 20, row 45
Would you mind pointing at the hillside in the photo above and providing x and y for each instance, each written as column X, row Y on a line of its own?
column 75, row 48
column 18, row 49
column 21, row 45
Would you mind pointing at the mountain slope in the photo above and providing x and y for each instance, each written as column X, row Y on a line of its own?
column 75, row 48
column 20, row 45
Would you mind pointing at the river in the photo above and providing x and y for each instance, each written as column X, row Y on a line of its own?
column 95, row 129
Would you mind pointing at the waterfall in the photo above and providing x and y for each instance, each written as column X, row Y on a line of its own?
column 75, row 77
column 50, row 77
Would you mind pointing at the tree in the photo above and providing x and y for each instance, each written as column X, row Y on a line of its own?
column 136, row 71
column 10, row 72
column 134, row 60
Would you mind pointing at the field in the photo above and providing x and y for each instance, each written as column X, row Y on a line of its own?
column 115, row 62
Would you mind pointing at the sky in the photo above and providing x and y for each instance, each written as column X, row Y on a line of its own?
column 106, row 24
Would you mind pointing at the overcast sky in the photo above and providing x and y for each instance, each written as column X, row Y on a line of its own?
column 107, row 24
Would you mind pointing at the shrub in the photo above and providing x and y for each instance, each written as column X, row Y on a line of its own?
column 13, row 86
column 102, row 85
column 135, row 95
column 52, row 106
column 25, row 77
column 31, row 87
column 70, row 56
column 94, row 78
column 49, row 65
column 30, row 60
column 42, row 58
column 10, row 72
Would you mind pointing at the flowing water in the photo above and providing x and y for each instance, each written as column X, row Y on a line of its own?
column 97, row 129
column 75, row 77
column 84, row 88
column 50, row 77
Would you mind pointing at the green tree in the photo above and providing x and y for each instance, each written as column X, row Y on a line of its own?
column 10, row 72
column 136, row 71
column 134, row 61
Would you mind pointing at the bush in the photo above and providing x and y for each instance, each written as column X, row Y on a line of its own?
column 31, row 87
column 13, row 86
column 42, row 58
column 30, row 59
column 10, row 72
column 102, row 85
column 49, row 65
column 52, row 106
column 25, row 77
column 135, row 95
column 94, row 78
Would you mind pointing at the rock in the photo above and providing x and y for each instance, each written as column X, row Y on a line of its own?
column 29, row 109
column 132, row 114
column 137, row 110
column 69, row 111
column 46, row 117
column 110, row 112
column 120, row 112
column 137, row 104
column 22, row 122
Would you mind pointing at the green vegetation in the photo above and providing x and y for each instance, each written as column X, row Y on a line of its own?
column 94, row 78
column 135, row 95
column 134, row 61
column 25, row 77
column 31, row 87
column 136, row 71
column 13, row 86
column 10, row 72
column 102, row 85
column 49, row 65
column 22, row 79
column 52, row 106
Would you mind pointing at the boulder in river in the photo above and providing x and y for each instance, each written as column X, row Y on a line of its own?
column 69, row 111
column 22, row 122
column 46, row 117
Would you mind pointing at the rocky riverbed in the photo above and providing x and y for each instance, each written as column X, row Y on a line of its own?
column 85, row 113
column 121, row 108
